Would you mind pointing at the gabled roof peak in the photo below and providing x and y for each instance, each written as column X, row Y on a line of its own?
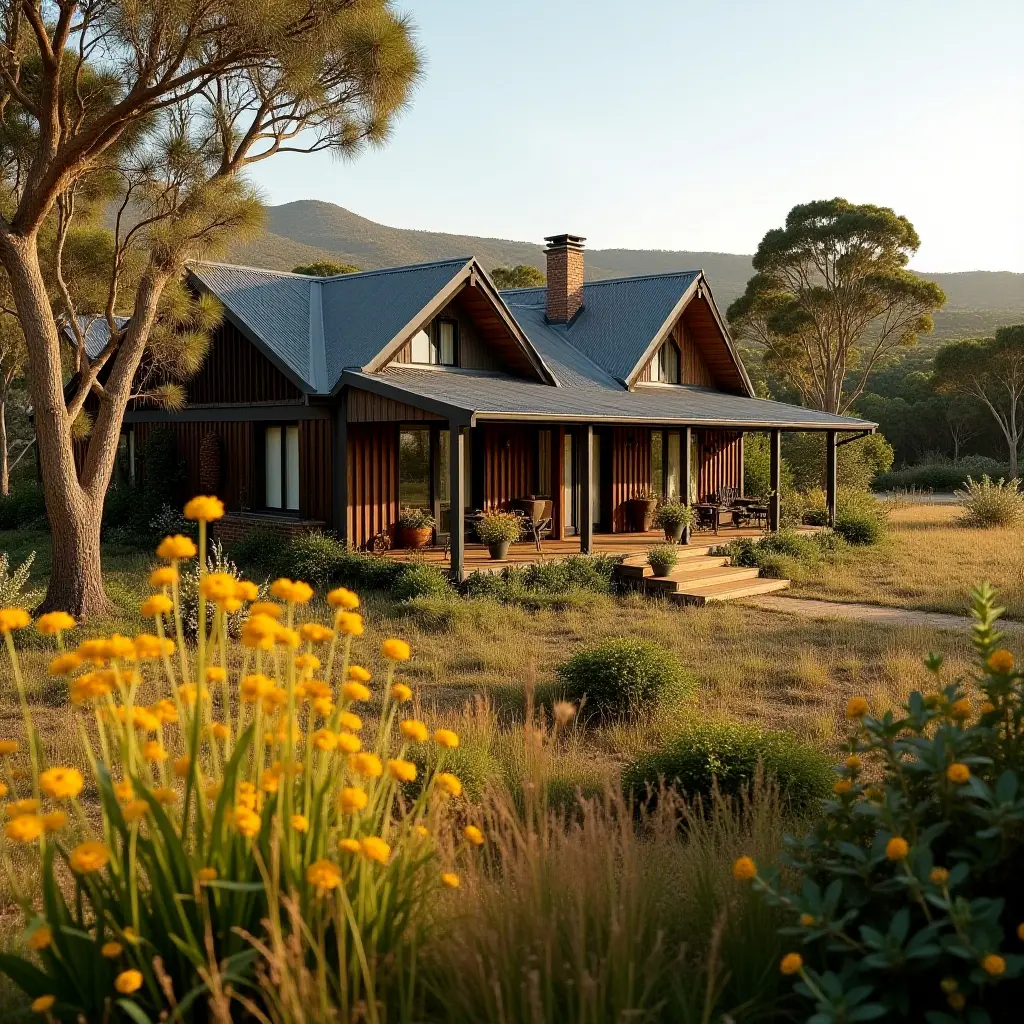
column 455, row 261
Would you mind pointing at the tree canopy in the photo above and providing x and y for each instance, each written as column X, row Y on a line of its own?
column 324, row 268
column 520, row 276
column 831, row 296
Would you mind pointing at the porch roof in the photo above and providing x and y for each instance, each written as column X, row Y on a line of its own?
column 472, row 396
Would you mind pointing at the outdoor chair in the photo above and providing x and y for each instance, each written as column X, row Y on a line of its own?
column 536, row 514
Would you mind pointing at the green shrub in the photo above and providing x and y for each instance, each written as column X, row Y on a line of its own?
column 422, row 579
column 728, row 754
column 495, row 527
column 314, row 557
column 857, row 463
column 23, row 508
column 860, row 517
column 757, row 468
column 988, row 502
column 939, row 474
column 259, row 551
column 907, row 897
column 816, row 507
column 577, row 574
column 662, row 558
column 624, row 676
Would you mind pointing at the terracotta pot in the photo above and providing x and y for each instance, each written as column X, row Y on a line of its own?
column 674, row 534
column 414, row 537
column 640, row 512
column 499, row 549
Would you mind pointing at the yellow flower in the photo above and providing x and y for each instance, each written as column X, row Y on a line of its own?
column 268, row 609
column 987, row 708
column 353, row 723
column 323, row 874
column 1020, row 931
column 446, row 738
column 182, row 766
column 856, row 708
column 450, row 879
column 287, row 638
column 165, row 710
column 842, row 787
column 13, row 618
column 130, row 936
column 156, row 605
column 807, row 920
column 401, row 692
column 153, row 750
column 205, row 508
column 448, row 783
column 207, row 874
column 852, row 763
column 43, row 1003
column 124, row 790
column 246, row 821
column 1001, row 661
column 212, row 790
column 402, row 771
column 413, row 730
column 897, row 848
column 366, row 764
column 300, row 823
column 187, row 692
column 960, row 709
column 128, row 982
column 94, row 650
column 149, row 647
column 246, row 590
column 315, row 633
column 395, row 650
column 349, row 845
column 26, row 828
column 111, row 950
column 355, row 691
column 171, row 549
column 219, row 731
column 938, row 876
column 993, row 965
column 294, row 591
column 324, row 707
column 64, row 664
column 61, row 783
column 307, row 662
column 359, row 674
column 791, row 963
column 217, row 586
column 164, row 576
column 18, row 807
column 8, row 747
column 375, row 849
column 422, row 831
column 342, row 598
column 352, row 799
column 54, row 821
column 54, row 622
column 256, row 686
column 216, row 674
column 349, row 623
column 135, row 810
column 325, row 740
column 89, row 856
column 40, row 938
column 958, row 772
column 957, row 1000
column 474, row 835
column 744, row 869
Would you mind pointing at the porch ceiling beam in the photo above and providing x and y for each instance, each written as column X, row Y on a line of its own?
column 856, row 436
column 651, row 421
column 231, row 413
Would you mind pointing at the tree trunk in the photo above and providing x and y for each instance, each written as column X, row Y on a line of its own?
column 5, row 473
column 76, row 578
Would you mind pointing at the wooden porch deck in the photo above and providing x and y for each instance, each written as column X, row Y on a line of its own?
column 477, row 558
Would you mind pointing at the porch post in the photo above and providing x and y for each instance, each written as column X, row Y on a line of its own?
column 831, row 488
column 687, row 471
column 586, row 484
column 339, row 467
column 457, row 497
column 775, row 501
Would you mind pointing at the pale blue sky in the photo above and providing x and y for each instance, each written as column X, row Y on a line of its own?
column 686, row 125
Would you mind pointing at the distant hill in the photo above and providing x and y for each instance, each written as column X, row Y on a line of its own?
column 308, row 230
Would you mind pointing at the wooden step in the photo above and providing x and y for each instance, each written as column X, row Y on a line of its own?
column 684, row 565
column 635, row 566
column 680, row 580
column 727, row 591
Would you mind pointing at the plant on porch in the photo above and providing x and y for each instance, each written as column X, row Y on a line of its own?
column 662, row 558
column 414, row 526
column 673, row 516
column 498, row 530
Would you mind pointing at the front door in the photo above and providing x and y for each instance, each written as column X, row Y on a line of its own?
column 570, row 492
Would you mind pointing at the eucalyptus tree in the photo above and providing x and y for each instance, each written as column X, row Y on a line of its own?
column 127, row 129
column 832, row 297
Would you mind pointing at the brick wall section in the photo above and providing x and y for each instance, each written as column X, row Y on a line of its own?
column 234, row 526
column 565, row 277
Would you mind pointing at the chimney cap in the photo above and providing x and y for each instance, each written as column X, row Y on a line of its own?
column 567, row 240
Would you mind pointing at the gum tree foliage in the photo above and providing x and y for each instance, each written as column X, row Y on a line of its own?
column 520, row 276
column 325, row 268
column 127, row 129
column 832, row 296
column 992, row 373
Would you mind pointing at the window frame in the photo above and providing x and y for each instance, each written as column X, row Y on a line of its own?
column 662, row 375
column 261, row 454
column 433, row 332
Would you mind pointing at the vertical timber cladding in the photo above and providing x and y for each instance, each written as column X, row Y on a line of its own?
column 510, row 457
column 721, row 461
column 631, row 470
column 372, row 481
column 315, row 499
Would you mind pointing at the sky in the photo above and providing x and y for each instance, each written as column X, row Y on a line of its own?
column 653, row 124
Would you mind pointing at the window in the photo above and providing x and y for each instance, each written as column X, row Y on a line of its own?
column 673, row 465
column 544, row 488
column 281, row 468
column 444, row 480
column 436, row 344
column 658, row 462
column 414, row 467
column 668, row 363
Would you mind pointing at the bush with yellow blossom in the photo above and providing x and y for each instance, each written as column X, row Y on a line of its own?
column 910, row 896
column 259, row 791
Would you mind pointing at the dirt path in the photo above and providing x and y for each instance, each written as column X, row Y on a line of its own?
column 812, row 609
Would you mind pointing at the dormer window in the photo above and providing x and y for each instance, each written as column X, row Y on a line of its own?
column 436, row 344
column 668, row 363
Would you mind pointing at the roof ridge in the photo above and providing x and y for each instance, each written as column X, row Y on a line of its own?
column 332, row 277
column 608, row 280
column 460, row 260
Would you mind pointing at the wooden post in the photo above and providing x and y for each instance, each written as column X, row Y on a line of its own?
column 457, row 497
column 586, row 484
column 831, row 488
column 339, row 467
column 686, row 488
column 775, row 501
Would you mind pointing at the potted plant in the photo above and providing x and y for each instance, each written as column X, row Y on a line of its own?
column 640, row 510
column 662, row 559
column 498, row 530
column 674, row 517
column 414, row 528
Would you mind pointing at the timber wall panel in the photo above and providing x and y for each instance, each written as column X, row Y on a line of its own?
column 315, row 469
column 509, row 463
column 692, row 367
column 366, row 407
column 631, row 470
column 722, row 467
column 372, row 482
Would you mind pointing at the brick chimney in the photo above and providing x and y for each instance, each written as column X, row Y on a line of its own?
column 565, row 277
